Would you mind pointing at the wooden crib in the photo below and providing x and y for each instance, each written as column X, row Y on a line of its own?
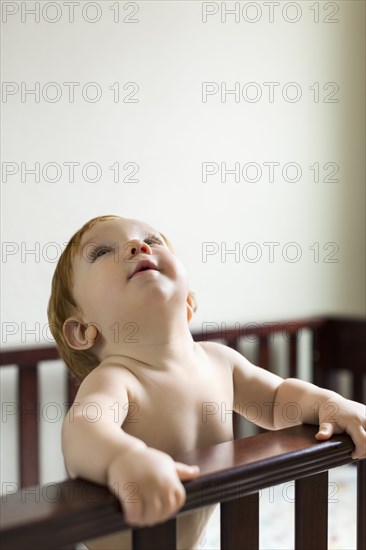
column 59, row 515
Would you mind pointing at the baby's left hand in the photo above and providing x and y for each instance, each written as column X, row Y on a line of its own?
column 337, row 415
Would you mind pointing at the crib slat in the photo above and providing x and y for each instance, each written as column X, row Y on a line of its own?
column 162, row 536
column 28, row 425
column 318, row 358
column 240, row 523
column 236, row 426
column 264, row 352
column 232, row 342
column 358, row 387
column 293, row 355
column 361, row 505
column 311, row 512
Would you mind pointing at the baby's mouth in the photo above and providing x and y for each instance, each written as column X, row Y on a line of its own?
column 142, row 266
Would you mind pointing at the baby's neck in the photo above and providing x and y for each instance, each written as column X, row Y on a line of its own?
column 153, row 348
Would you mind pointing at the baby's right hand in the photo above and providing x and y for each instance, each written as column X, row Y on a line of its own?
column 147, row 483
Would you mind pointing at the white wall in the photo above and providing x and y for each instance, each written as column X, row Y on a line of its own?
column 170, row 132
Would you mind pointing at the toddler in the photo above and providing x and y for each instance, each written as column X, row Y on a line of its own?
column 119, row 312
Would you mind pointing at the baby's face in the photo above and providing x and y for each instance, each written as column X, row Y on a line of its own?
column 106, row 287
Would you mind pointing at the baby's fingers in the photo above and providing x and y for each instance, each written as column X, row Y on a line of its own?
column 358, row 434
column 186, row 472
column 326, row 430
column 134, row 511
column 359, row 439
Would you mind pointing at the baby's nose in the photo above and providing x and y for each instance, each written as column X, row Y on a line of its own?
column 136, row 246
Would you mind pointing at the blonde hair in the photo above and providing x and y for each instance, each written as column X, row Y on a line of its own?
column 62, row 303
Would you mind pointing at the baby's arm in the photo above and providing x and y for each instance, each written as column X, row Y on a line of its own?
column 331, row 411
column 95, row 447
column 276, row 403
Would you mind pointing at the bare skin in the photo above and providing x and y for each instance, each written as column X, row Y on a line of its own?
column 159, row 392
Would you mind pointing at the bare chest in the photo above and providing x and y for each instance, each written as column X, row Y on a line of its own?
column 183, row 411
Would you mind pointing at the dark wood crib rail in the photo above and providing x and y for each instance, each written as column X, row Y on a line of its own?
column 337, row 343
column 27, row 360
column 61, row 514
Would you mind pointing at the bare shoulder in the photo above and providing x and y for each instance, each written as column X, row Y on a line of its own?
column 234, row 358
column 108, row 378
column 215, row 350
column 208, row 345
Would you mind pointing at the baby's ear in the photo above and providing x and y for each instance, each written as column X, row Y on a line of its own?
column 78, row 335
column 189, row 308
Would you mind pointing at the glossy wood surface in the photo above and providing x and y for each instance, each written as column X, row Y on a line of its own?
column 77, row 510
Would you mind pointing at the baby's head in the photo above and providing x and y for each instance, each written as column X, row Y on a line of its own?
column 73, row 283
